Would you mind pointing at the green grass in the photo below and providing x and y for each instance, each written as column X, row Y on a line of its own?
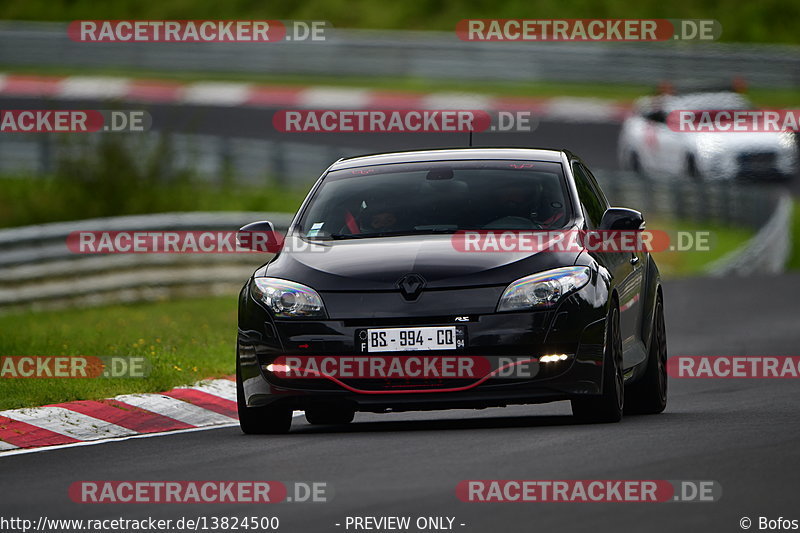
column 184, row 340
column 763, row 97
column 762, row 21
column 723, row 240
column 34, row 200
column 794, row 257
column 116, row 178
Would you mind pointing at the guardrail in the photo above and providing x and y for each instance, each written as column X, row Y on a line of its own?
column 725, row 203
column 209, row 157
column 433, row 55
column 38, row 271
column 767, row 252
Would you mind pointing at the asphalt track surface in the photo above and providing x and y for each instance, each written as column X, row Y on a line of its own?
column 595, row 143
column 741, row 433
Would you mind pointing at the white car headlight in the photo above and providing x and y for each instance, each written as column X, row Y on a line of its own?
column 544, row 289
column 287, row 299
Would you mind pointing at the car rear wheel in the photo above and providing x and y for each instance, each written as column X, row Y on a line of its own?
column 329, row 415
column 609, row 405
column 649, row 394
column 260, row 420
column 636, row 165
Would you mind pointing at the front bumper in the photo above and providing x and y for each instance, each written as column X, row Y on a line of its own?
column 761, row 166
column 575, row 329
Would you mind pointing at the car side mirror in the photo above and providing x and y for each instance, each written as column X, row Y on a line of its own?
column 260, row 237
column 621, row 218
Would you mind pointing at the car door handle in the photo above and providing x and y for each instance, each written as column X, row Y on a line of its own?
column 634, row 259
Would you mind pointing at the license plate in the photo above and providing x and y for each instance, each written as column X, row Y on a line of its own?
column 412, row 339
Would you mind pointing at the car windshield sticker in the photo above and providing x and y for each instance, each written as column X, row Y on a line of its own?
column 315, row 228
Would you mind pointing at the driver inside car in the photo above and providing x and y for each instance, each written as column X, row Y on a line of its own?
column 515, row 206
column 377, row 216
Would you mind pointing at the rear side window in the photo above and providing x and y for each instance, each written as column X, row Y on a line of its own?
column 593, row 204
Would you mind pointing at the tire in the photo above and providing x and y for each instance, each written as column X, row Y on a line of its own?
column 648, row 396
column 269, row 420
column 692, row 170
column 636, row 165
column 329, row 415
column 609, row 405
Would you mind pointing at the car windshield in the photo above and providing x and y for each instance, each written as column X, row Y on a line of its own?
column 437, row 197
column 710, row 101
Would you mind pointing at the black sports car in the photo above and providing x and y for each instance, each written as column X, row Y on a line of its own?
column 373, row 305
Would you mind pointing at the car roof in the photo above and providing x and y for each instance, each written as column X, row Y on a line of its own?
column 451, row 154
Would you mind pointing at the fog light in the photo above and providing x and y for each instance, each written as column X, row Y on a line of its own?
column 553, row 358
column 283, row 369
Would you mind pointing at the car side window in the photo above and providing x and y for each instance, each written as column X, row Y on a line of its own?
column 657, row 115
column 593, row 205
column 596, row 187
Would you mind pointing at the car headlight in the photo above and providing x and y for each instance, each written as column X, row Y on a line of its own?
column 287, row 299
column 544, row 289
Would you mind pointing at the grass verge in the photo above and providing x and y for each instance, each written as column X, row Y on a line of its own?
column 35, row 200
column 723, row 240
column 184, row 340
column 794, row 256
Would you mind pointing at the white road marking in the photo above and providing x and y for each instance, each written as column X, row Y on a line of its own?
column 65, row 422
column 222, row 388
column 334, row 98
column 461, row 101
column 93, row 87
column 176, row 409
column 581, row 110
column 6, row 446
column 21, row 451
column 217, row 93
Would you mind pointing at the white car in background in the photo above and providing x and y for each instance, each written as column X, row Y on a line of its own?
column 649, row 147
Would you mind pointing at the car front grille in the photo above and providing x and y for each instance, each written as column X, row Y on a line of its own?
column 757, row 162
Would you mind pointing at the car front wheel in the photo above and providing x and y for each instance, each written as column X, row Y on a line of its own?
column 260, row 420
column 649, row 394
column 609, row 405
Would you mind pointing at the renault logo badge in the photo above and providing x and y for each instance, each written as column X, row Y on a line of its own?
column 411, row 286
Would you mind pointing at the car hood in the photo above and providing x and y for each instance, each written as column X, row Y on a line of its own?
column 378, row 263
